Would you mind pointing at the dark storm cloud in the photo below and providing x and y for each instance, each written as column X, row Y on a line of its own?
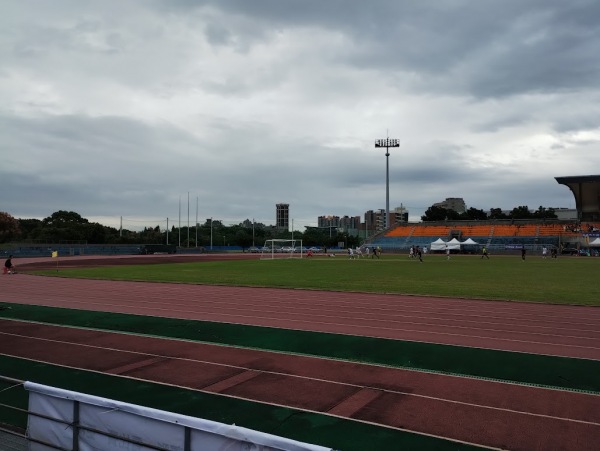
column 249, row 103
column 484, row 49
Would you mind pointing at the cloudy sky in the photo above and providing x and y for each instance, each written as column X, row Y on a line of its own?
column 126, row 108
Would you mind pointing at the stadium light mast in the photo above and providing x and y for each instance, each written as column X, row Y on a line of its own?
column 387, row 143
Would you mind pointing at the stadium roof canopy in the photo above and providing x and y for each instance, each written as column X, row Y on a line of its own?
column 586, row 189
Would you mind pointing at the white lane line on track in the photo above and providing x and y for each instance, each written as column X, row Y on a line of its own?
column 389, row 315
column 396, row 392
column 483, row 306
column 356, row 326
column 269, row 404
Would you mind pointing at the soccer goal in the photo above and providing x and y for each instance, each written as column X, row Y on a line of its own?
column 282, row 249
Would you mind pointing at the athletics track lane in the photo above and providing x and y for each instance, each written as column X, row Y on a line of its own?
column 569, row 331
column 494, row 414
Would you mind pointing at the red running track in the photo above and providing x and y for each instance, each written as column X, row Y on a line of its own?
column 570, row 331
column 489, row 413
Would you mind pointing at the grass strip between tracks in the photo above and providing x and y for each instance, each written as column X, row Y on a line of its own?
column 551, row 371
column 337, row 433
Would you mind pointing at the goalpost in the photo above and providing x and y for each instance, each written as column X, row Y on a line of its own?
column 279, row 248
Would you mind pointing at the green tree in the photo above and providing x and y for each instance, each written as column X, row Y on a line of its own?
column 544, row 213
column 474, row 214
column 9, row 227
column 30, row 228
column 243, row 238
column 314, row 236
column 496, row 213
column 62, row 218
column 434, row 213
column 520, row 212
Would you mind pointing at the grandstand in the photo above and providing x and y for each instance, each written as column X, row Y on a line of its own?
column 499, row 236
column 508, row 235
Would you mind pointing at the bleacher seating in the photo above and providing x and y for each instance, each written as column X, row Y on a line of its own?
column 527, row 230
column 496, row 235
column 475, row 230
column 436, row 231
column 402, row 231
column 505, row 230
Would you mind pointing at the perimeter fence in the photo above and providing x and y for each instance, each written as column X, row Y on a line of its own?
column 40, row 417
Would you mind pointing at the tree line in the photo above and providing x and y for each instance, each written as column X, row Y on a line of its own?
column 436, row 213
column 69, row 226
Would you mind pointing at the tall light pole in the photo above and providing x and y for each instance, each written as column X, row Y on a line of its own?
column 387, row 143
column 188, row 227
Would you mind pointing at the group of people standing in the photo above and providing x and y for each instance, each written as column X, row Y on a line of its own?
column 553, row 252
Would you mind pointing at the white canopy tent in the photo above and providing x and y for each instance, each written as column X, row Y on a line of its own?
column 595, row 243
column 441, row 245
column 453, row 244
column 469, row 242
column 438, row 245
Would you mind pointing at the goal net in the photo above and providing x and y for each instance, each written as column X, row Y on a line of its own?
column 282, row 249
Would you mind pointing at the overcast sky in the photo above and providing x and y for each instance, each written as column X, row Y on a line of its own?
column 119, row 108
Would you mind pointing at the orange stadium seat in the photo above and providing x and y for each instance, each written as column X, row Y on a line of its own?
column 431, row 230
column 551, row 230
column 505, row 230
column 527, row 230
column 494, row 230
column 475, row 230
column 400, row 231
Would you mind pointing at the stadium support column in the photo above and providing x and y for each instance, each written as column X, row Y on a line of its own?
column 387, row 143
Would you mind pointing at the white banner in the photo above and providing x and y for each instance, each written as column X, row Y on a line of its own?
column 129, row 421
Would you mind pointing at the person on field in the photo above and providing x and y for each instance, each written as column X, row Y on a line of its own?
column 9, row 268
column 419, row 254
column 523, row 252
column 447, row 252
column 544, row 252
column 484, row 253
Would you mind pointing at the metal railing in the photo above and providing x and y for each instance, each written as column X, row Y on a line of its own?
column 22, row 438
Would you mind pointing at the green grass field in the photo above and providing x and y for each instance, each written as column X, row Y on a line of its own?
column 567, row 280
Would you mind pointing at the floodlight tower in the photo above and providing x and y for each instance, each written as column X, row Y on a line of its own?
column 387, row 143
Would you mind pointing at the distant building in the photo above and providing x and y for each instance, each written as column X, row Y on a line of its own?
column 456, row 204
column 328, row 221
column 282, row 216
column 398, row 215
column 566, row 214
column 374, row 221
column 346, row 224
